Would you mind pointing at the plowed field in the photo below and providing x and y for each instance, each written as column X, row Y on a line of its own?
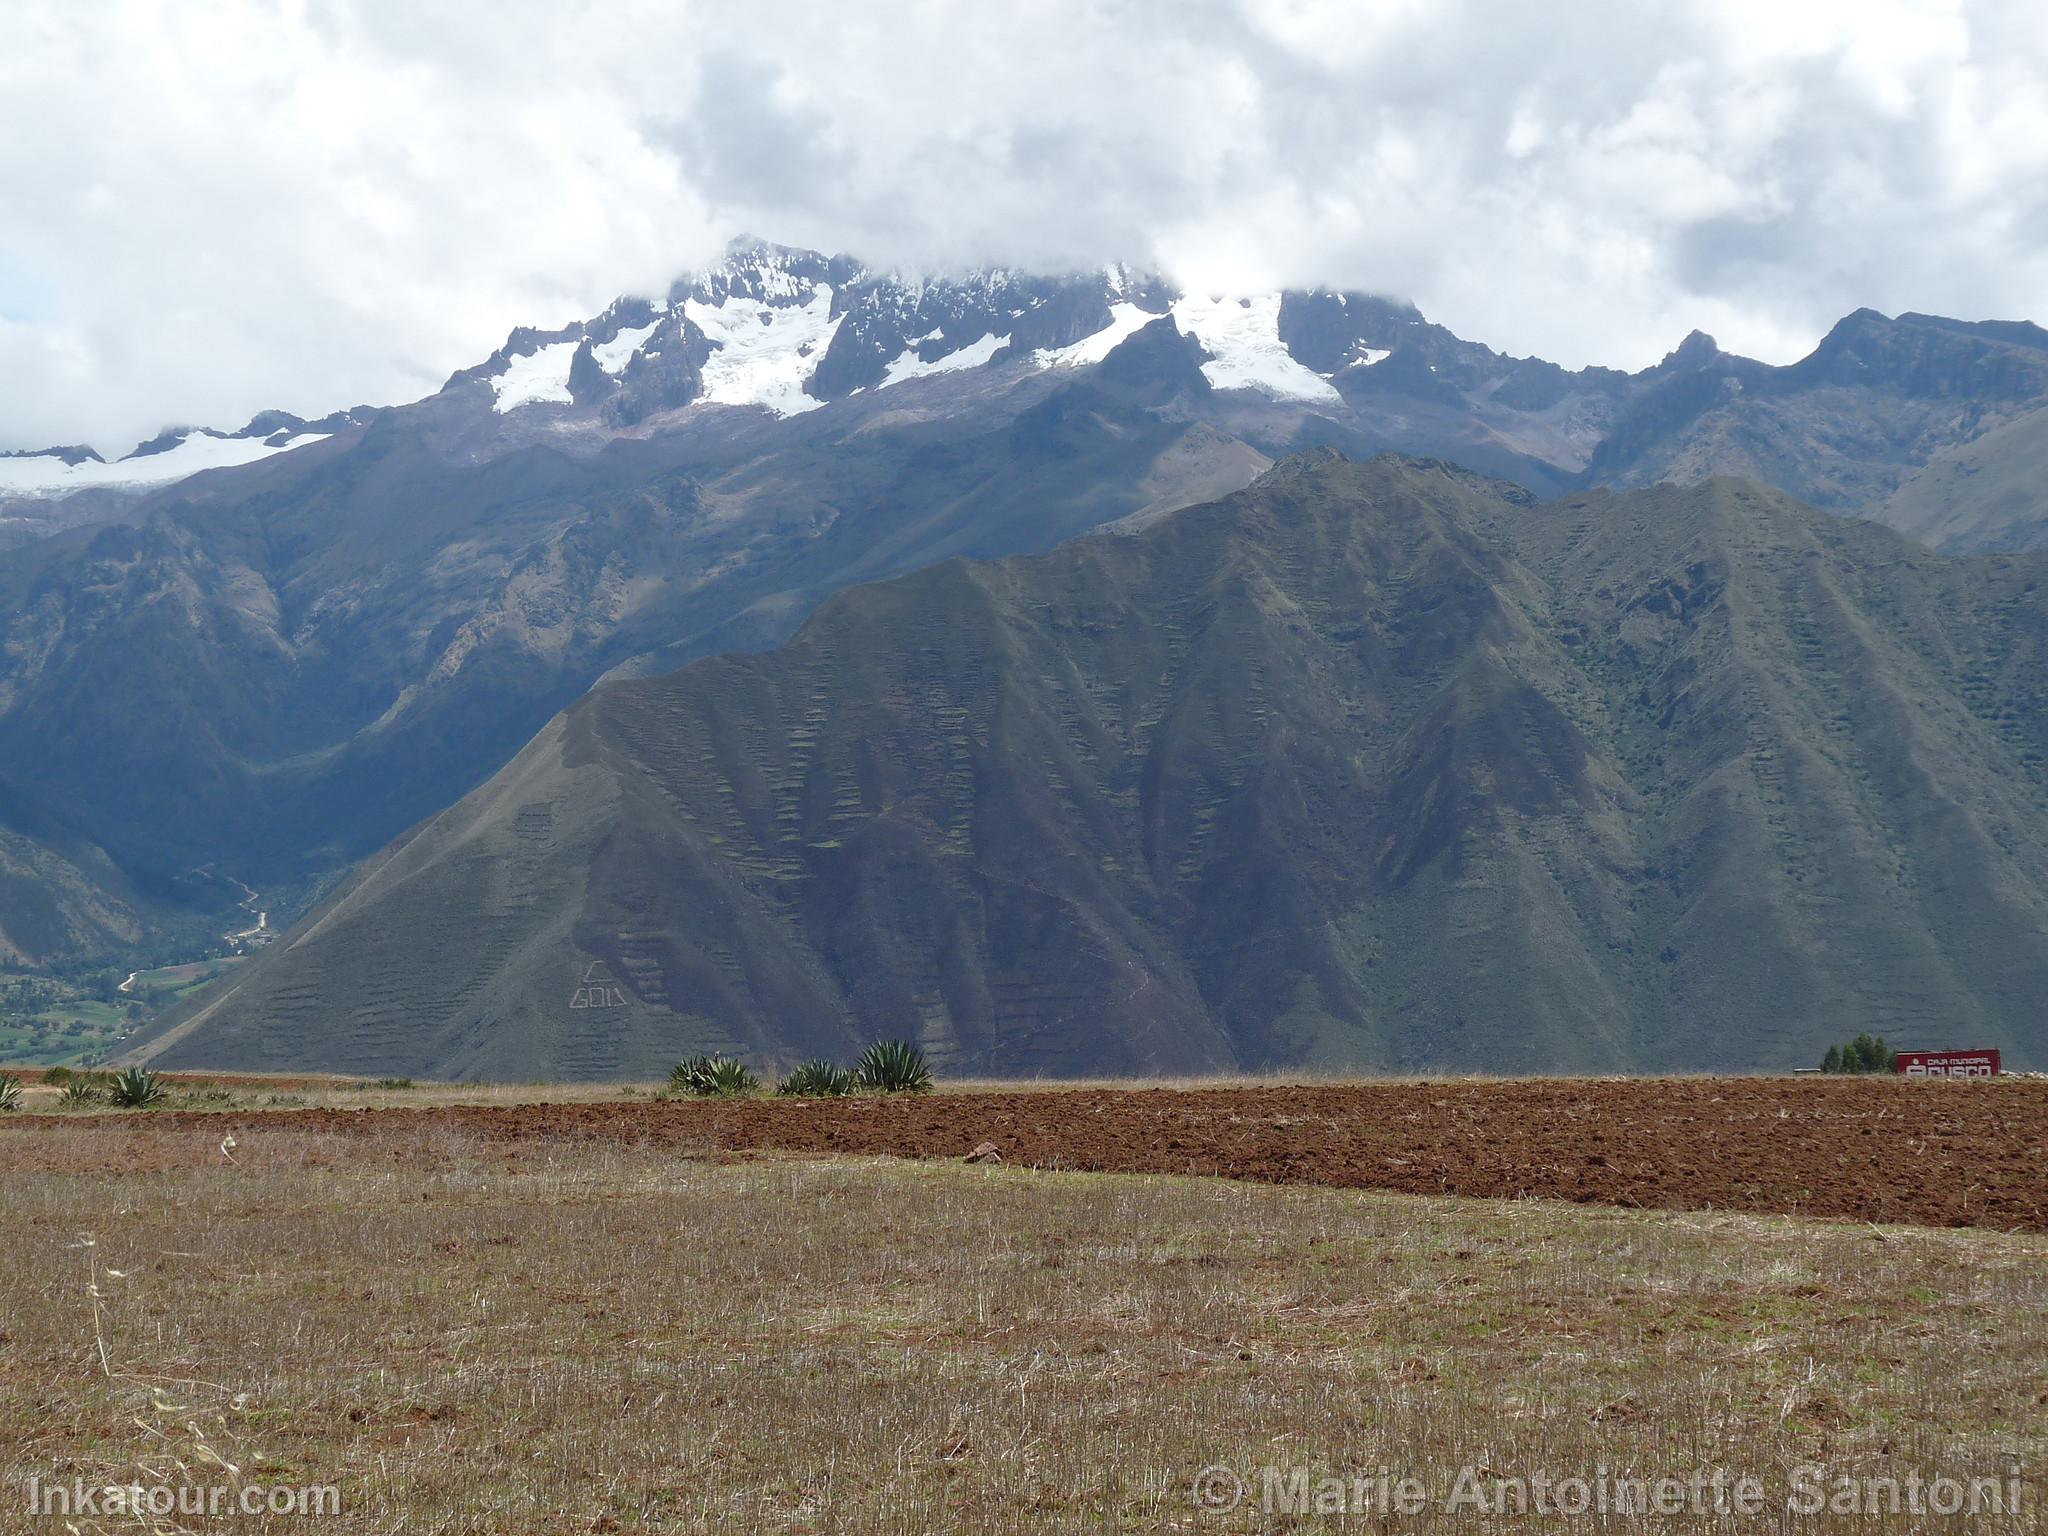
column 1935, row 1154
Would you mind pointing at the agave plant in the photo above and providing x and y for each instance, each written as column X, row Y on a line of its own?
column 731, row 1080
column 137, row 1088
column 78, row 1092
column 692, row 1076
column 10, row 1092
column 819, row 1079
column 893, row 1066
column 712, row 1077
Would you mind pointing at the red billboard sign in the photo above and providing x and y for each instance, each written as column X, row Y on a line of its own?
column 1948, row 1063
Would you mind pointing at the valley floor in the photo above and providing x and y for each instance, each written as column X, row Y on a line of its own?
column 456, row 1330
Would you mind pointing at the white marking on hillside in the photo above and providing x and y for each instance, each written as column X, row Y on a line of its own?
column 46, row 475
column 612, row 356
column 1242, row 336
column 765, row 352
column 973, row 355
column 1370, row 357
column 538, row 378
column 1125, row 321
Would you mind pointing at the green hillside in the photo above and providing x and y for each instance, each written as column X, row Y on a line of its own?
column 1371, row 765
column 1986, row 494
column 55, row 897
column 271, row 681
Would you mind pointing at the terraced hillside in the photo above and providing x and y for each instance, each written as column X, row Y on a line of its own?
column 1369, row 765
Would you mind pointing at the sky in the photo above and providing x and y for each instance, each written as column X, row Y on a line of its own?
column 212, row 207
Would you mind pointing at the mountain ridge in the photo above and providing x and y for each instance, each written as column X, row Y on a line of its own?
column 1371, row 765
column 883, row 328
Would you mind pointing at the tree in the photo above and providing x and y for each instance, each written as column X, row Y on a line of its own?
column 1866, row 1053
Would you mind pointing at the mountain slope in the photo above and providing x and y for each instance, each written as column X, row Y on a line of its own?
column 1988, row 493
column 1842, row 428
column 261, row 674
column 51, row 896
column 1369, row 765
column 265, row 671
column 281, row 681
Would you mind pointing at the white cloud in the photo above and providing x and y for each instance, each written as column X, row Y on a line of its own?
column 209, row 209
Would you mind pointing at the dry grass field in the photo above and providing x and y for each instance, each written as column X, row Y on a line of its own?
column 462, row 1334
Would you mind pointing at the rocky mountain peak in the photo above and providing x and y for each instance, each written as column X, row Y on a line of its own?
column 1697, row 350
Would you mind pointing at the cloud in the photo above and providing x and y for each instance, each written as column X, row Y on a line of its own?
column 209, row 210
column 745, row 140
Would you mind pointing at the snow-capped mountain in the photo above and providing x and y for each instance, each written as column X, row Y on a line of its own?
column 173, row 455
column 778, row 333
column 785, row 332
column 789, row 331
column 44, row 491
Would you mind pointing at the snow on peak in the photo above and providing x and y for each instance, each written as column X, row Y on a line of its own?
column 765, row 352
column 1241, row 333
column 768, row 312
column 773, row 274
column 46, row 474
column 537, row 377
column 973, row 355
column 541, row 377
column 612, row 356
column 1125, row 320
column 1124, row 280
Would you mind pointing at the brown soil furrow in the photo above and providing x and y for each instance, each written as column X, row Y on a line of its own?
column 1935, row 1154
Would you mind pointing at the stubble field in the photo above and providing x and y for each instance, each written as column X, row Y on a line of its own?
column 597, row 1317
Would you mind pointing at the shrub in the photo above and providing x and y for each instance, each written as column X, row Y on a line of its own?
column 392, row 1082
column 57, row 1077
column 818, row 1079
column 712, row 1077
column 10, row 1092
column 893, row 1066
column 137, row 1088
